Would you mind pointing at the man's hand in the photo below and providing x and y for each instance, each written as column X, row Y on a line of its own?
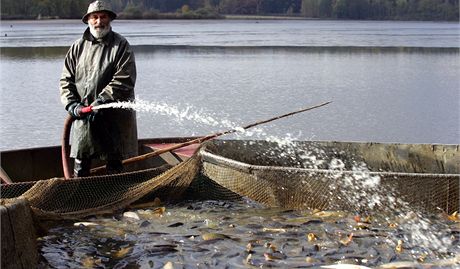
column 75, row 110
column 94, row 115
column 78, row 111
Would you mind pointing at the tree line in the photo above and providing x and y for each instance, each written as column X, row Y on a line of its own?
column 440, row 10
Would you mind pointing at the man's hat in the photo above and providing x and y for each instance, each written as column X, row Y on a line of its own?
column 98, row 6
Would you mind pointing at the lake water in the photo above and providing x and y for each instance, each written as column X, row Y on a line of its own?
column 389, row 81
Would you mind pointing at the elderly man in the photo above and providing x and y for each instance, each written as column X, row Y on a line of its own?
column 99, row 68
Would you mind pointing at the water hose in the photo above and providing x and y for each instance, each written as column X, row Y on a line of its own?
column 65, row 145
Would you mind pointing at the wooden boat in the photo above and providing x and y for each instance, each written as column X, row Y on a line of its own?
column 33, row 179
column 41, row 163
column 422, row 175
column 37, row 174
column 300, row 174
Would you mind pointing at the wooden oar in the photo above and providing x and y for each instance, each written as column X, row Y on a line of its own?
column 205, row 138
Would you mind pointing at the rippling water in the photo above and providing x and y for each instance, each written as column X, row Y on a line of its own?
column 242, row 33
column 408, row 96
column 389, row 81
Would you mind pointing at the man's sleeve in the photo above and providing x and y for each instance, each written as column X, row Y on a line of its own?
column 121, row 87
column 68, row 89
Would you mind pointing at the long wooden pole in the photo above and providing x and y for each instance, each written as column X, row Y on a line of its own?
column 208, row 137
column 4, row 177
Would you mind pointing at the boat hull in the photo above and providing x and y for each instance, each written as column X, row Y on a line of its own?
column 35, row 164
column 300, row 174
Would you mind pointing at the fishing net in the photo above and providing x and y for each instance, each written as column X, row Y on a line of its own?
column 347, row 176
column 298, row 175
column 60, row 198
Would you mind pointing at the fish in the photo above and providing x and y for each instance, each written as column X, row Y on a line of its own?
column 86, row 224
column 311, row 237
column 454, row 217
column 211, row 236
column 131, row 215
column 304, row 220
column 249, row 248
column 177, row 224
column 362, row 225
column 168, row 265
column 159, row 211
column 274, row 230
column 91, row 262
column 345, row 266
column 310, row 259
column 145, row 223
column 122, row 253
column 274, row 256
column 155, row 203
column 347, row 240
column 400, row 265
column 327, row 214
column 399, row 246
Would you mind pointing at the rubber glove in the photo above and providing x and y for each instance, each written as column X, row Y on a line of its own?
column 75, row 110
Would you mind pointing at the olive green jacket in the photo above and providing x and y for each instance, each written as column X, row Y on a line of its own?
column 104, row 70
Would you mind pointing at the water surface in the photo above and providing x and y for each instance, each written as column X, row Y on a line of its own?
column 241, row 33
column 389, row 81
column 241, row 234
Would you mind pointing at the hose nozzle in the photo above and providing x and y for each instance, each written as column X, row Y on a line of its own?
column 87, row 109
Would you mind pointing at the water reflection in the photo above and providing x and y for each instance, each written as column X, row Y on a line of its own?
column 37, row 53
column 59, row 52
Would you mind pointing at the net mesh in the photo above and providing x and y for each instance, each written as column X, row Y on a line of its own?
column 338, row 176
column 324, row 190
column 346, row 176
column 60, row 198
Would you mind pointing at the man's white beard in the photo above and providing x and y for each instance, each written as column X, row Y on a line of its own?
column 99, row 33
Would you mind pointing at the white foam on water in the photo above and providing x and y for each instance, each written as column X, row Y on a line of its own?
column 365, row 190
column 420, row 233
column 360, row 188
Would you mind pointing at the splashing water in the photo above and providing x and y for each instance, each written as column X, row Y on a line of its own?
column 168, row 110
column 190, row 114
column 360, row 188
column 423, row 234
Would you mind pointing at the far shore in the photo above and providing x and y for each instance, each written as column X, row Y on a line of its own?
column 266, row 17
column 178, row 16
column 174, row 16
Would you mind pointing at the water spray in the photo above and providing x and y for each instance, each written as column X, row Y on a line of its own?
column 210, row 136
